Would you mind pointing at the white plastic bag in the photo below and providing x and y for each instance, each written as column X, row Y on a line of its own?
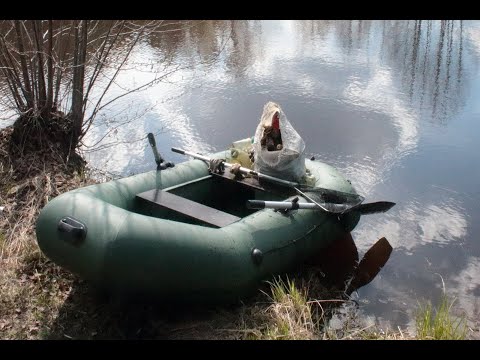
column 285, row 161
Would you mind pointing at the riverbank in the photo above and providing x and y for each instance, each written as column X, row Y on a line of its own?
column 39, row 300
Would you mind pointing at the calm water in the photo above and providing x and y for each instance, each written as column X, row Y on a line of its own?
column 392, row 104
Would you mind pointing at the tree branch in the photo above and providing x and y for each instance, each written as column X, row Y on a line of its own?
column 101, row 60
column 78, row 77
column 97, row 106
column 37, row 28
column 23, row 61
column 50, row 67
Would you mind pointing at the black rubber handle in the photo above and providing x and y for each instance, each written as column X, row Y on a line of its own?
column 151, row 139
column 156, row 154
column 255, row 204
column 74, row 229
column 179, row 151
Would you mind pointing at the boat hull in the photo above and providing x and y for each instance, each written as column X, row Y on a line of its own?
column 130, row 253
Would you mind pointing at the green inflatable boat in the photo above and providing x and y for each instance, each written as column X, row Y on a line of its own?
column 185, row 232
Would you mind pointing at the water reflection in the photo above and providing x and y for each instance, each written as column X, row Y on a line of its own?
column 376, row 96
column 431, row 243
column 442, row 224
column 241, row 55
column 466, row 289
column 415, row 223
column 429, row 49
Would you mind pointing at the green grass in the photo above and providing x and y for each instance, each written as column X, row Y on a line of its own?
column 290, row 311
column 439, row 323
column 297, row 311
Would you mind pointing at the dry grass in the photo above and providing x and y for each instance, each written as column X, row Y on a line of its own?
column 31, row 287
column 27, row 183
column 304, row 312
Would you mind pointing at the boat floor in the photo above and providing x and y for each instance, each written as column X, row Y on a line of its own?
column 216, row 200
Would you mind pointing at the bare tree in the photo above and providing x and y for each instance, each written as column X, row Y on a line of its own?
column 49, row 68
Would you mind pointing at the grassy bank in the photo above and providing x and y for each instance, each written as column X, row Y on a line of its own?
column 39, row 300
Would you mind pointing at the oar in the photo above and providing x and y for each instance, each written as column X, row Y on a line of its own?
column 161, row 164
column 372, row 208
column 370, row 265
column 351, row 199
column 339, row 262
column 243, row 170
column 364, row 209
column 153, row 144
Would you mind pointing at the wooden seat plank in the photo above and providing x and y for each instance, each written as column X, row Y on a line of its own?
column 189, row 208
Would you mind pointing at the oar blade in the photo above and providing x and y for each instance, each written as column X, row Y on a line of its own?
column 370, row 265
column 337, row 261
column 375, row 207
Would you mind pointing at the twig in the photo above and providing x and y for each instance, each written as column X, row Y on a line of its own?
column 358, row 331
